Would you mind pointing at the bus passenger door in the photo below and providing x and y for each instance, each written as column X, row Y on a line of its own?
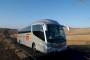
column 38, row 32
column 42, row 38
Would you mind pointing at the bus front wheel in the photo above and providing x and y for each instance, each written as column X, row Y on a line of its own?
column 34, row 47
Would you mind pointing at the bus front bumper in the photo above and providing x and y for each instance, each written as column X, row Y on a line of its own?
column 50, row 49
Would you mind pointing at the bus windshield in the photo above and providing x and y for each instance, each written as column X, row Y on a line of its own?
column 55, row 33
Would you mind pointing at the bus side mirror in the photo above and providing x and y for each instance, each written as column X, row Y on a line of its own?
column 67, row 27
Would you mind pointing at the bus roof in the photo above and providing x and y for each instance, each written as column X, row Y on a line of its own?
column 43, row 21
column 46, row 21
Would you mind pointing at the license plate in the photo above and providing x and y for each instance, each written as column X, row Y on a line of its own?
column 59, row 44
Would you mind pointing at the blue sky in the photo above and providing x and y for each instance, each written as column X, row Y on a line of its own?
column 20, row 13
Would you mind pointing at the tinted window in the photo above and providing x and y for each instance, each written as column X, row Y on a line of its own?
column 55, row 33
column 25, row 30
column 38, row 31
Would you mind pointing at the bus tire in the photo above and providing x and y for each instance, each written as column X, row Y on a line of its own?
column 19, row 42
column 34, row 47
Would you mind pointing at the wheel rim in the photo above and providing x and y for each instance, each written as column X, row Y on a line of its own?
column 34, row 48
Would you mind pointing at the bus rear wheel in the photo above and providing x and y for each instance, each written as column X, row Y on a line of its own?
column 20, row 42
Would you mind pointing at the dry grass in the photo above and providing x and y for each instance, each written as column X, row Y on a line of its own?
column 78, row 39
column 78, row 31
column 5, row 52
column 14, row 49
column 8, row 51
column 78, row 36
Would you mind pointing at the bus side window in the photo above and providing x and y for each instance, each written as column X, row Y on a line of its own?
column 25, row 30
column 38, row 31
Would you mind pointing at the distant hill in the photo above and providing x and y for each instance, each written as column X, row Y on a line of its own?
column 2, row 30
column 74, row 31
column 11, row 31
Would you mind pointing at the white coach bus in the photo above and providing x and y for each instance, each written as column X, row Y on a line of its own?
column 44, row 35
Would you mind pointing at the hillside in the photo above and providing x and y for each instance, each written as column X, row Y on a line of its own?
column 74, row 31
column 11, row 32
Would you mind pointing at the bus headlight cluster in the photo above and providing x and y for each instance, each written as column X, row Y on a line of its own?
column 49, row 47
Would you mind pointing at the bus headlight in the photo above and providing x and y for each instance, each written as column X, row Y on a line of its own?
column 49, row 47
